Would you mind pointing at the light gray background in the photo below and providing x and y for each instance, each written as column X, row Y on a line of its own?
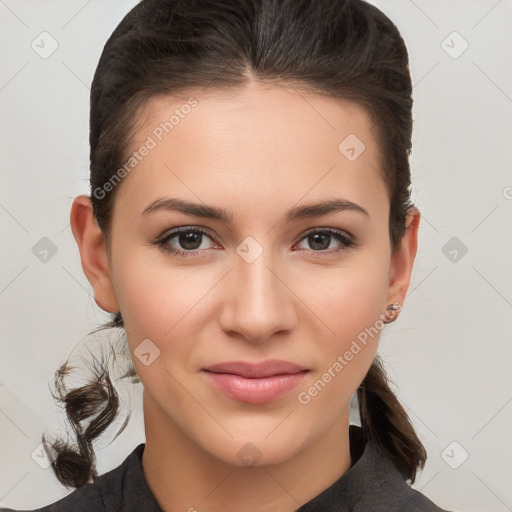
column 450, row 352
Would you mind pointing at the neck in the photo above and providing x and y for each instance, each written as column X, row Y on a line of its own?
column 184, row 477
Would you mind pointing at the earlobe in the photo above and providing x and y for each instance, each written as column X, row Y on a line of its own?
column 402, row 259
column 93, row 253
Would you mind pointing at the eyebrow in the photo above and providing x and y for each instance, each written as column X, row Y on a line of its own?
column 308, row 211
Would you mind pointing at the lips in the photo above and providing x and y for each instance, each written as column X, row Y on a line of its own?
column 267, row 368
column 255, row 383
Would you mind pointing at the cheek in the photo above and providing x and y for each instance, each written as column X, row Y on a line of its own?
column 165, row 305
column 343, row 356
column 348, row 300
column 350, row 307
column 158, row 306
column 154, row 298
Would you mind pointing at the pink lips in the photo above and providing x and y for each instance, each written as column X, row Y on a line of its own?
column 255, row 383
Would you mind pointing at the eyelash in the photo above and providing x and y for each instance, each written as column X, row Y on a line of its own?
column 346, row 241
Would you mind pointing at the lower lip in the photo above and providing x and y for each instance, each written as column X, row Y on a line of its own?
column 255, row 391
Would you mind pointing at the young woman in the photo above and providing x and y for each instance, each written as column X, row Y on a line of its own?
column 250, row 229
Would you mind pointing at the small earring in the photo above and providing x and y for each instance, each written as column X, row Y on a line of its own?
column 392, row 312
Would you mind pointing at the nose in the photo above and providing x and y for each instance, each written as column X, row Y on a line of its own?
column 258, row 302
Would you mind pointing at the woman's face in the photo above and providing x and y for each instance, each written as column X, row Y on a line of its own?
column 256, row 285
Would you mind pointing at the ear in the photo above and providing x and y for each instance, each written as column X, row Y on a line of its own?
column 93, row 253
column 402, row 259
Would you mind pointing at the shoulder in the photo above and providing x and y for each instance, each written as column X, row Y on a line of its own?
column 415, row 501
column 387, row 489
column 107, row 492
column 373, row 483
column 84, row 499
column 394, row 492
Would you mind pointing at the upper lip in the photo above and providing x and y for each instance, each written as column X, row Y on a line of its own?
column 267, row 368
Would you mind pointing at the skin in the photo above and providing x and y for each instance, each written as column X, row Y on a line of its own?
column 256, row 152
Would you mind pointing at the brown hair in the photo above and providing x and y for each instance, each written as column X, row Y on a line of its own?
column 339, row 48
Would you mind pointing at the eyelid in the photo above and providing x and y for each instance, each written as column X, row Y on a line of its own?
column 171, row 233
column 212, row 235
column 181, row 229
column 348, row 242
column 324, row 229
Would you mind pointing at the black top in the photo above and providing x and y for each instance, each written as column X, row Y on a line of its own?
column 372, row 484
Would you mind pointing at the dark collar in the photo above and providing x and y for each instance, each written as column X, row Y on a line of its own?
column 370, row 474
column 371, row 483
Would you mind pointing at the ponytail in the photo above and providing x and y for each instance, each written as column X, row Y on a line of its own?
column 386, row 424
column 96, row 403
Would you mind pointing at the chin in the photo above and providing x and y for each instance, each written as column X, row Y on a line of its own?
column 257, row 450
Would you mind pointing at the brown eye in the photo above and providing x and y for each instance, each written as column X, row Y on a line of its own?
column 188, row 240
column 319, row 240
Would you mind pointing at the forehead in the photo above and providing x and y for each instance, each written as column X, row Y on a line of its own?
column 279, row 112
column 262, row 143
